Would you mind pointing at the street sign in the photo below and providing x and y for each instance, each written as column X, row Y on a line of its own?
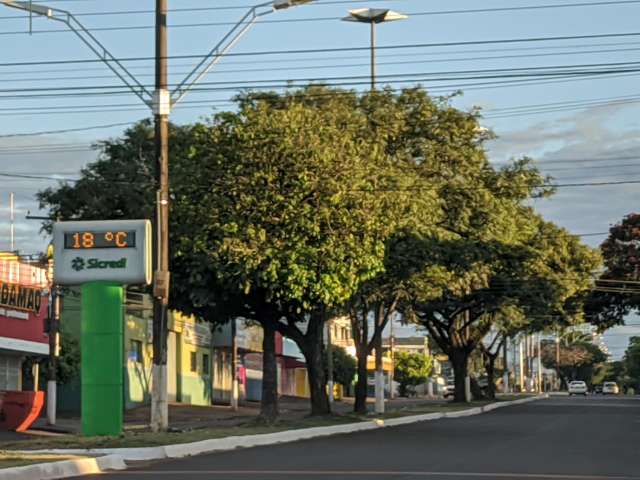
column 102, row 251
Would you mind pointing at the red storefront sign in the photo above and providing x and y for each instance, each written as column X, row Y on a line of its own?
column 23, row 308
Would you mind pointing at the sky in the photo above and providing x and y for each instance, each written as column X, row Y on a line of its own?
column 580, row 129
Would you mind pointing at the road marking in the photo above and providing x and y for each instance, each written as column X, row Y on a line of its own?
column 351, row 473
column 587, row 404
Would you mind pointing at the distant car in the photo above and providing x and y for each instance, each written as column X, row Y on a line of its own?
column 610, row 388
column 597, row 389
column 577, row 387
column 449, row 389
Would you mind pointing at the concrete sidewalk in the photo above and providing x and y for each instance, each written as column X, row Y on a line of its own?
column 189, row 417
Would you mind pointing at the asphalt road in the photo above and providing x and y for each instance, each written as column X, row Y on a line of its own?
column 558, row 439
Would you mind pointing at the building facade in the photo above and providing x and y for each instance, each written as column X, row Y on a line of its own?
column 24, row 301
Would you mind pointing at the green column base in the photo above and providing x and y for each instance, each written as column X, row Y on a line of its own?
column 102, row 326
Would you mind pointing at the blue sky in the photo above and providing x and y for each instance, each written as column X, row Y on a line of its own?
column 565, row 142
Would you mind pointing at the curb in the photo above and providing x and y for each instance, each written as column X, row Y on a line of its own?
column 114, row 458
column 64, row 468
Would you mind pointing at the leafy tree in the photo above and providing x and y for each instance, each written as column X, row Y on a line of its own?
column 578, row 358
column 617, row 294
column 610, row 372
column 344, row 366
column 434, row 145
column 287, row 191
column 490, row 353
column 121, row 185
column 513, row 259
column 411, row 369
column 631, row 362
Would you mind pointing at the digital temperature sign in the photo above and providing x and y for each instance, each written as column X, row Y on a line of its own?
column 86, row 240
column 102, row 251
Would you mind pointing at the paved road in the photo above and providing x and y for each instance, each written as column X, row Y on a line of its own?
column 556, row 439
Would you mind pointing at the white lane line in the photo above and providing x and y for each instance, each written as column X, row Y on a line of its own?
column 378, row 473
column 588, row 404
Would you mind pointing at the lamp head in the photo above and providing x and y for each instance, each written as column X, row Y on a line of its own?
column 282, row 4
column 373, row 15
column 29, row 7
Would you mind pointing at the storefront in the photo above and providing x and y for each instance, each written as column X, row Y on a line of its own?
column 23, row 310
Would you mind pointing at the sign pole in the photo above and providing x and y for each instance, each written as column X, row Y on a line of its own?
column 102, row 356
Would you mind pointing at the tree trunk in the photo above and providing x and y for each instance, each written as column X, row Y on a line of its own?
column 360, row 405
column 313, row 350
column 317, row 379
column 269, row 401
column 490, row 367
column 360, row 333
column 459, row 359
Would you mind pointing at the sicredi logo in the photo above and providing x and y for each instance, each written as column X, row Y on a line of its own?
column 79, row 264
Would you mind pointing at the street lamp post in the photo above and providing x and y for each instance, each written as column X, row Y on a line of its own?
column 374, row 16
column 161, row 102
column 559, row 381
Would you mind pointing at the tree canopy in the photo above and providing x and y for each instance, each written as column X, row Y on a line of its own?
column 617, row 294
column 300, row 205
column 411, row 369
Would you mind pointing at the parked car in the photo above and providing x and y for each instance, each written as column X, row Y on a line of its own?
column 610, row 388
column 597, row 388
column 449, row 388
column 577, row 387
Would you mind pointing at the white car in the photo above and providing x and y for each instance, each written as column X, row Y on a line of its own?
column 610, row 388
column 449, row 389
column 577, row 387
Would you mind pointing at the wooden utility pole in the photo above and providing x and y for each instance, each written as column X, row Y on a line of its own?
column 161, row 110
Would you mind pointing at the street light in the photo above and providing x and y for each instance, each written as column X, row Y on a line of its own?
column 160, row 101
column 281, row 4
column 373, row 16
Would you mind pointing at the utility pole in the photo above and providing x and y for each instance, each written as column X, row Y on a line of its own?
column 521, row 369
column 329, row 362
column 12, row 220
column 392, row 355
column 505, row 359
column 54, row 347
column 161, row 110
column 234, row 365
column 540, row 386
column 379, row 378
column 558, row 381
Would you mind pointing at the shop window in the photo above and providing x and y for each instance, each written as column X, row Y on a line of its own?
column 136, row 351
column 194, row 362
column 205, row 364
column 10, row 373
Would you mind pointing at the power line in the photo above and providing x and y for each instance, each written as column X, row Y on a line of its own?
column 341, row 2
column 464, row 74
column 341, row 49
column 68, row 130
column 313, row 67
column 205, row 9
column 448, row 53
column 304, row 19
column 111, row 90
